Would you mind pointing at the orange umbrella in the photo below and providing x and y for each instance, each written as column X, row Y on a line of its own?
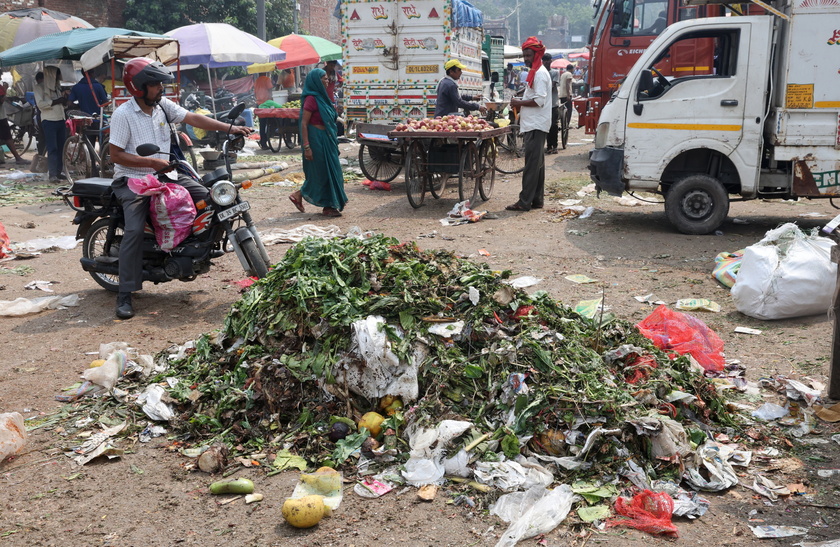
column 305, row 50
column 560, row 63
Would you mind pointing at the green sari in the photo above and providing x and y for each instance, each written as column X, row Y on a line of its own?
column 324, row 184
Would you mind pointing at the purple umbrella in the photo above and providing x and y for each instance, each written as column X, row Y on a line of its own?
column 218, row 44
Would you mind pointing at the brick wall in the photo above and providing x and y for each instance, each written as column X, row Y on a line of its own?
column 316, row 18
column 99, row 13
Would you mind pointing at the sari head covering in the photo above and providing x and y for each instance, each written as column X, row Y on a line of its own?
column 315, row 87
column 539, row 50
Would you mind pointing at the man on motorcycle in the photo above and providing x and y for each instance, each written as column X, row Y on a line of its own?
column 146, row 119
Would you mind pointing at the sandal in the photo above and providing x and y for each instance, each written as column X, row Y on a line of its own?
column 330, row 212
column 298, row 202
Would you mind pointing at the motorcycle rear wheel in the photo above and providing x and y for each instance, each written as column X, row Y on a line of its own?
column 93, row 246
column 255, row 260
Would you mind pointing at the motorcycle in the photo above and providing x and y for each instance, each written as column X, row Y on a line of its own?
column 223, row 224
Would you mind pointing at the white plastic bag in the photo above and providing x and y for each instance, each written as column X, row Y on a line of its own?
column 786, row 274
column 542, row 517
column 12, row 434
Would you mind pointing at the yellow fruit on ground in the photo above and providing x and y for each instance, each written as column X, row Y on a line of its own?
column 305, row 512
column 386, row 401
column 372, row 421
column 395, row 406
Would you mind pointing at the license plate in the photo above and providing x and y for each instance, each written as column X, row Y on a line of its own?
column 236, row 209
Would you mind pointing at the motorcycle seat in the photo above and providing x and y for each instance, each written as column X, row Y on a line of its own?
column 99, row 187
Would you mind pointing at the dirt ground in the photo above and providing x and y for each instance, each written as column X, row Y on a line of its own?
column 147, row 498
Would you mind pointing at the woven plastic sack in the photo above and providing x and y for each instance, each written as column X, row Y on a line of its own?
column 684, row 333
column 647, row 511
column 172, row 208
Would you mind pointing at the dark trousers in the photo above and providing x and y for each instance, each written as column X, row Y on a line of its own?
column 136, row 211
column 551, row 141
column 55, row 133
column 267, row 125
column 533, row 177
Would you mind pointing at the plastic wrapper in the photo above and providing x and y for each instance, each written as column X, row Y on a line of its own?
column 172, row 209
column 543, row 516
column 709, row 468
column 327, row 483
column 684, row 333
column 153, row 405
column 12, row 434
column 786, row 274
column 647, row 511
column 26, row 306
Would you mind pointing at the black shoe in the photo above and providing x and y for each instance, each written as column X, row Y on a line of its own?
column 61, row 176
column 124, row 307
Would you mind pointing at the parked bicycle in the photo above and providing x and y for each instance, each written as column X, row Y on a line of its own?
column 21, row 116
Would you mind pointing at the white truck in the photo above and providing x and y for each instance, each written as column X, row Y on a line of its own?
column 750, row 110
column 394, row 52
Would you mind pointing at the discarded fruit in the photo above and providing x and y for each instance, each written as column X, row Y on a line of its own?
column 553, row 442
column 338, row 431
column 213, row 459
column 369, row 446
column 252, row 498
column 372, row 421
column 325, row 481
column 305, row 512
column 237, row 486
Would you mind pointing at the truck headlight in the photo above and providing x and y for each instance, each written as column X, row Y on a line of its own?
column 223, row 193
column 601, row 135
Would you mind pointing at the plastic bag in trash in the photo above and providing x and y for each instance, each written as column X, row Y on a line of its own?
column 786, row 274
column 153, row 405
column 647, row 511
column 12, row 434
column 684, row 333
column 713, row 458
column 25, row 306
column 543, row 516
column 769, row 412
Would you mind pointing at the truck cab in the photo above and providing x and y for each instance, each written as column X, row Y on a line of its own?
column 758, row 120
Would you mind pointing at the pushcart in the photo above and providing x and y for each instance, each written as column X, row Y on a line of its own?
column 380, row 156
column 281, row 126
column 431, row 158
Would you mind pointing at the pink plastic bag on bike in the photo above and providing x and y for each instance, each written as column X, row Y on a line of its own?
column 172, row 209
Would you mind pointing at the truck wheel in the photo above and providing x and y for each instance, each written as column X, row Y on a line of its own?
column 697, row 204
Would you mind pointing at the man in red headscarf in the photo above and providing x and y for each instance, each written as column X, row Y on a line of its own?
column 534, row 124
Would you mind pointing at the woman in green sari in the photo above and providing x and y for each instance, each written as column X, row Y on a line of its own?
column 324, row 184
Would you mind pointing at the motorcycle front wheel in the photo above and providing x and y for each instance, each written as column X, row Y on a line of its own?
column 255, row 260
column 93, row 247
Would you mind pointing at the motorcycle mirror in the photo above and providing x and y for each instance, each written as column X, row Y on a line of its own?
column 236, row 111
column 147, row 149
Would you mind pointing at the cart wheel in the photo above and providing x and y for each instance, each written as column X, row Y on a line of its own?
column 274, row 136
column 415, row 174
column 486, row 165
column 469, row 176
column 510, row 155
column 290, row 138
column 437, row 184
column 380, row 163
column 564, row 127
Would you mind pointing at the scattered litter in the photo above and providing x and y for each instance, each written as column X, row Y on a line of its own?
column 580, row 279
column 462, row 214
column 26, row 306
column 630, row 201
column 647, row 511
column 541, row 513
column 484, row 252
column 767, row 531
column 47, row 244
column 710, row 460
column 684, row 333
column 377, row 185
column 769, row 412
column 39, row 285
column 591, row 308
column 740, row 221
column 587, row 212
column 687, row 503
column 99, row 445
column 767, row 488
column 427, row 492
column 13, row 435
column 296, row 235
column 153, row 405
column 648, row 299
column 812, row 214
column 569, row 202
column 747, row 330
column 697, row 304
column 828, row 473
column 586, row 190
column 447, row 330
column 371, row 488
column 523, row 282
column 827, row 543
column 727, row 266
column 151, row 432
column 829, row 414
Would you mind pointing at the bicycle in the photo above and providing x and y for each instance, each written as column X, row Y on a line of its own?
column 81, row 160
column 510, row 148
column 21, row 118
column 564, row 126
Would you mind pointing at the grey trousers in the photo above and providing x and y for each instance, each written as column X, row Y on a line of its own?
column 136, row 211
column 533, row 177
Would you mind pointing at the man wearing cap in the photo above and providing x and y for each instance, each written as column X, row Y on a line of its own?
column 448, row 98
column 534, row 124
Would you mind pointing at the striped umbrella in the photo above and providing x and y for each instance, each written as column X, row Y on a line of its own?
column 24, row 25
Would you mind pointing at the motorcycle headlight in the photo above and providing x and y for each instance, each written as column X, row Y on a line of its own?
column 223, row 193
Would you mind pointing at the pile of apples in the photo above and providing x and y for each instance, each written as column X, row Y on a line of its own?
column 446, row 124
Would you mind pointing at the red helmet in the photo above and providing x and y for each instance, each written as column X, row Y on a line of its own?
column 141, row 71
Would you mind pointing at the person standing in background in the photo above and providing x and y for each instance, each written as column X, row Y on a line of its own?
column 263, row 86
column 51, row 100
column 89, row 96
column 565, row 91
column 551, row 141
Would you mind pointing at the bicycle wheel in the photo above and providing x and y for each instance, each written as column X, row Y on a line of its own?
column 106, row 166
column 78, row 163
column 486, row 161
column 469, row 176
column 23, row 138
column 510, row 152
column 380, row 163
column 189, row 152
column 415, row 174
column 274, row 136
column 564, row 127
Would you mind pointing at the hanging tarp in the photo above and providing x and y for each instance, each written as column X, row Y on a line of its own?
column 465, row 14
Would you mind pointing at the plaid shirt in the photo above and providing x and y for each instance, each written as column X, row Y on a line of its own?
column 131, row 127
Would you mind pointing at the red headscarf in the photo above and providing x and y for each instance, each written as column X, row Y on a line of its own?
column 539, row 50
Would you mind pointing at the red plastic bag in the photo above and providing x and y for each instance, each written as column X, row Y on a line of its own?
column 684, row 333
column 647, row 511
column 5, row 242
column 172, row 209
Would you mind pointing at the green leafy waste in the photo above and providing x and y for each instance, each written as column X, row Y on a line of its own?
column 260, row 380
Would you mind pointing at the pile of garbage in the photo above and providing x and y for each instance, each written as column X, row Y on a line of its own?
column 414, row 367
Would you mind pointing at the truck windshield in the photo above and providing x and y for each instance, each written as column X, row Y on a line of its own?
column 640, row 17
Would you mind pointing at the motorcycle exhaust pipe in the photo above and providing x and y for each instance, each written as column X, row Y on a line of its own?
column 91, row 265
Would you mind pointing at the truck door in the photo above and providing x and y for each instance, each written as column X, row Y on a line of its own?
column 700, row 108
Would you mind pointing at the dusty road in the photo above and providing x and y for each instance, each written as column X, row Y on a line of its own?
column 146, row 498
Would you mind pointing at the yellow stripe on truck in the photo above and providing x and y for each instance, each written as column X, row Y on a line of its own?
column 686, row 126
column 827, row 104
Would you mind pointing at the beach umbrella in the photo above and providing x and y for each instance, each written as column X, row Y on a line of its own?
column 24, row 25
column 300, row 50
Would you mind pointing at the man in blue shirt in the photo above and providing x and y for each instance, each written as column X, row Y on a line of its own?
column 90, row 97
column 448, row 98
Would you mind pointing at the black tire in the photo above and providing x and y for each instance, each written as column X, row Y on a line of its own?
column 23, row 138
column 510, row 152
column 696, row 204
column 94, row 246
column 469, row 174
column 564, row 127
column 290, row 138
column 486, row 160
column 380, row 163
column 189, row 152
column 106, row 166
column 274, row 137
column 436, row 183
column 415, row 174
column 77, row 160
column 255, row 260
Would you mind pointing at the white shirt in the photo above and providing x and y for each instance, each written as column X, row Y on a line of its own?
column 565, row 84
column 537, row 117
column 46, row 92
column 131, row 127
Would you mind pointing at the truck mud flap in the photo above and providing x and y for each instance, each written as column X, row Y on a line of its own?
column 605, row 165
